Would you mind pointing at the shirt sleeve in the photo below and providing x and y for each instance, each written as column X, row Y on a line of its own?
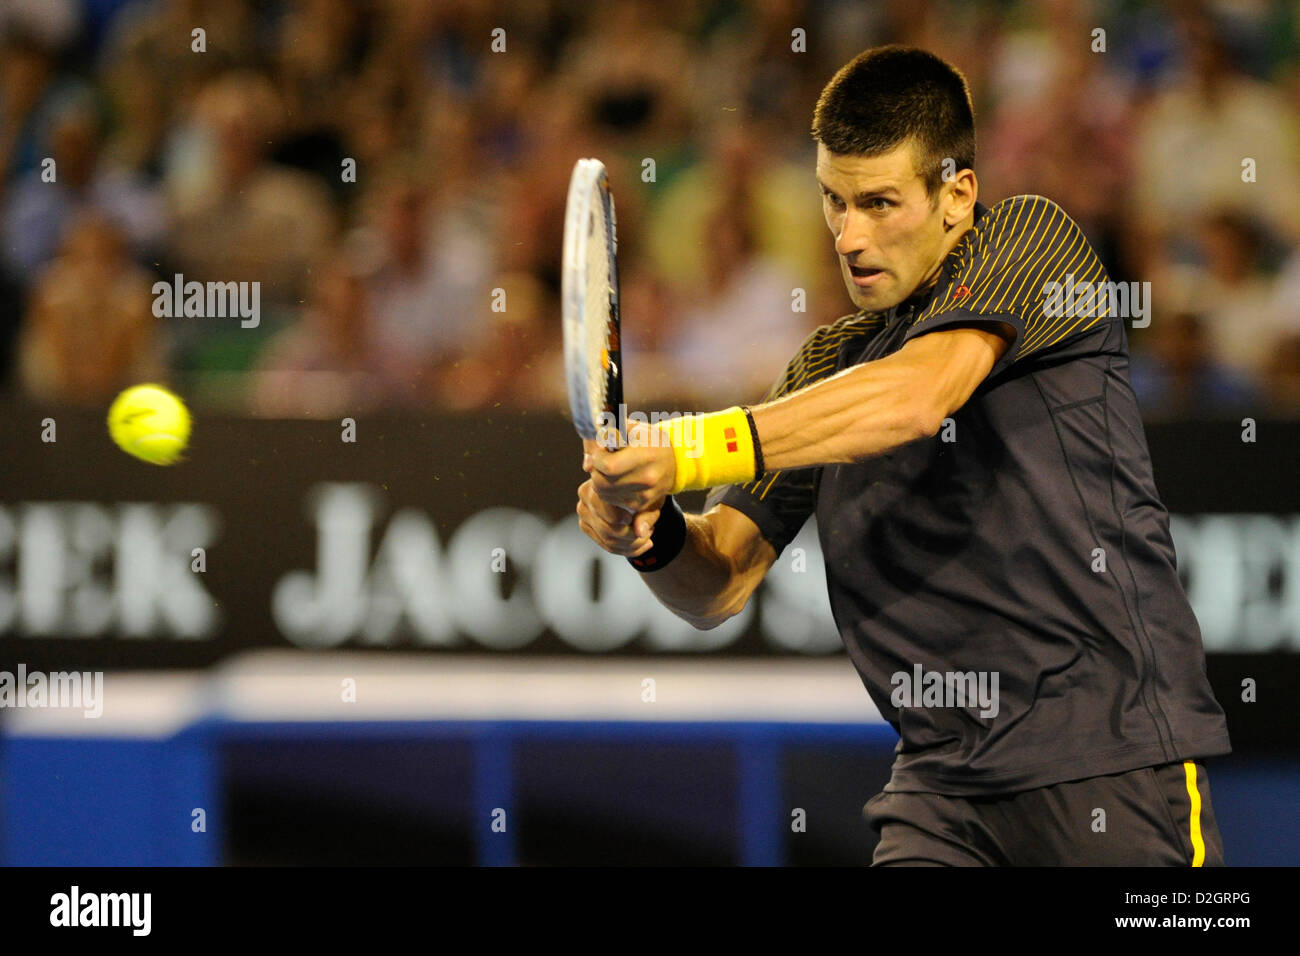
column 1030, row 267
column 779, row 502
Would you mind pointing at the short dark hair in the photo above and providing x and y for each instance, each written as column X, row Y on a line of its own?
column 888, row 95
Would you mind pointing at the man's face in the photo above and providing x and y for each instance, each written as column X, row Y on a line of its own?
column 889, row 238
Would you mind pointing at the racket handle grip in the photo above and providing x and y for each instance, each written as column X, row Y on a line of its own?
column 666, row 540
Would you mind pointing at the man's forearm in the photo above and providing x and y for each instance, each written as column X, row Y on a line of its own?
column 699, row 585
column 874, row 407
column 858, row 413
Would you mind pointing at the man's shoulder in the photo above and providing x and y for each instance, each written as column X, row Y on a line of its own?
column 1025, row 218
column 818, row 356
column 1025, row 200
column 856, row 326
column 848, row 326
column 1019, row 239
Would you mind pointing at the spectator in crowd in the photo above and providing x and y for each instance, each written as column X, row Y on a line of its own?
column 317, row 59
column 785, row 214
column 236, row 215
column 1282, row 376
column 1173, row 148
column 90, row 329
column 1282, row 368
column 1236, row 293
column 161, row 34
column 1176, row 374
column 519, row 363
column 746, row 320
column 324, row 365
column 428, row 286
column 1213, row 139
column 652, row 314
column 633, row 75
column 27, row 78
column 42, row 203
column 1061, row 126
column 26, row 81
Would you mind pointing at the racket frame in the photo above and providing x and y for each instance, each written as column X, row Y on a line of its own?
column 589, row 194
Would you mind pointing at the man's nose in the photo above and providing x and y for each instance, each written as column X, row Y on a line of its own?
column 852, row 237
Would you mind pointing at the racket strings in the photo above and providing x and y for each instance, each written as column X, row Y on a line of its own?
column 597, row 307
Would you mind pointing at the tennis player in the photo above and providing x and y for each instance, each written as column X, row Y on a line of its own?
column 973, row 452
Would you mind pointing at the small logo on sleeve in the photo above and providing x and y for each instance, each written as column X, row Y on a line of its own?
column 961, row 292
column 730, row 435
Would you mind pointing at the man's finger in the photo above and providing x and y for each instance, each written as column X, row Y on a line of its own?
column 609, row 512
column 620, row 489
column 645, row 521
column 618, row 464
column 612, row 541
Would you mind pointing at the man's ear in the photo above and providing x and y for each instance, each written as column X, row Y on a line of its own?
column 962, row 191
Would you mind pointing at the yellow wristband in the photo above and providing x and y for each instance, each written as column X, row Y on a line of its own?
column 711, row 450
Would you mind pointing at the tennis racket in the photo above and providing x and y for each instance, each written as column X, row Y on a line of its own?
column 592, row 363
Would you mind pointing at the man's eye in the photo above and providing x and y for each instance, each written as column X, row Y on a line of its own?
column 833, row 199
column 879, row 205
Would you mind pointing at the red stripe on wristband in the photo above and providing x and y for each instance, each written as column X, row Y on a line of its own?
column 667, row 539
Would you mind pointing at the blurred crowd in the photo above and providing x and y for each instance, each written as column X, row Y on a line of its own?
column 393, row 173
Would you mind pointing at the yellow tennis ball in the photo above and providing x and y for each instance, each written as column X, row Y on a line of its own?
column 151, row 423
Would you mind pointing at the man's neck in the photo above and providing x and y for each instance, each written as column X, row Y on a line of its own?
column 956, row 233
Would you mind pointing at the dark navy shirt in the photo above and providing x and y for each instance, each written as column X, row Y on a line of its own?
column 1026, row 538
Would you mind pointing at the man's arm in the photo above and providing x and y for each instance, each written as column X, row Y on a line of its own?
column 860, row 412
column 870, row 408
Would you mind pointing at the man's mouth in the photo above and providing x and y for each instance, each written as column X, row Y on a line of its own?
column 863, row 276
